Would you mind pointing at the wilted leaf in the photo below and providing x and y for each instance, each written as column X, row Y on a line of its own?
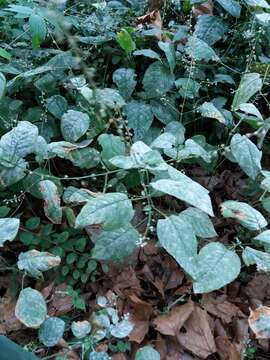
column 52, row 206
column 245, row 214
column 31, row 308
column 51, row 331
column 9, row 229
column 259, row 322
column 112, row 211
column 35, row 262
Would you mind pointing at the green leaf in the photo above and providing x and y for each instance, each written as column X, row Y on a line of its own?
column 35, row 262
column 2, row 85
column 5, row 54
column 38, row 29
column 256, row 257
column 247, row 155
column 147, row 353
column 51, row 196
column 200, row 222
column 264, row 238
column 246, row 215
column 31, row 308
column 199, row 50
column 112, row 211
column 115, row 245
column 74, row 125
column 21, row 140
column 209, row 110
column 57, row 105
column 139, row 117
column 231, row 6
column 188, row 88
column 125, row 79
column 259, row 3
column 147, row 53
column 178, row 239
column 185, row 189
column 157, row 80
column 169, row 51
column 51, row 331
column 9, row 229
column 111, row 146
column 249, row 85
column 216, row 267
column 209, row 28
column 125, row 41
column 80, row 329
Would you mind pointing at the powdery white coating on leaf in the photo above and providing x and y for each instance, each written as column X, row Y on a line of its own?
column 139, row 117
column 247, row 155
column 157, row 80
column 99, row 356
column 122, row 329
column 21, row 140
column 249, row 85
column 178, row 239
column 31, row 308
column 51, row 331
column 115, row 245
column 35, row 262
column 200, row 222
column 199, row 50
column 74, row 125
column 245, row 214
column 217, row 266
column 52, row 206
column 185, row 189
column 111, row 210
column 209, row 110
column 231, row 6
column 209, row 28
column 256, row 257
column 8, row 229
column 147, row 353
column 125, row 79
column 80, row 328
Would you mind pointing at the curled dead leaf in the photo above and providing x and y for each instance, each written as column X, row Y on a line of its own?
column 203, row 9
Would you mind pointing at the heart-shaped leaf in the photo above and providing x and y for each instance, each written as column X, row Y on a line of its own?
column 80, row 329
column 51, row 331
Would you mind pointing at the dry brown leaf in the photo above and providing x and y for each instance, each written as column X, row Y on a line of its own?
column 152, row 18
column 171, row 323
column 204, row 8
column 7, row 315
column 119, row 356
column 198, row 337
column 259, row 322
column 227, row 350
column 259, row 287
column 221, row 308
column 61, row 303
column 142, row 309
column 139, row 331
